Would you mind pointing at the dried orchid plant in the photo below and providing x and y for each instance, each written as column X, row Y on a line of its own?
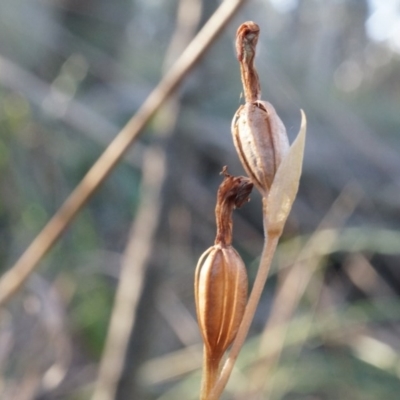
column 274, row 168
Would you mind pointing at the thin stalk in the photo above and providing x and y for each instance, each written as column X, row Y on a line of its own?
column 210, row 374
column 270, row 243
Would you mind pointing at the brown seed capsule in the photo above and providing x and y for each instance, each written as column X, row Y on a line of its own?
column 220, row 296
column 259, row 135
column 261, row 142
column 221, row 279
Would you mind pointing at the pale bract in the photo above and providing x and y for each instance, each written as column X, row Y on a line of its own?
column 285, row 185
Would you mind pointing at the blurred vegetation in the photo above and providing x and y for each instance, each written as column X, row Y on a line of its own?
column 72, row 73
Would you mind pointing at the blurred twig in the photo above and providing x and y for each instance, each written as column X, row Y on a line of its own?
column 158, row 370
column 131, row 277
column 13, row 279
column 78, row 115
column 140, row 242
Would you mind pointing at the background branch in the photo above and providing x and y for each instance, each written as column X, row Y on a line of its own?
column 13, row 279
column 140, row 242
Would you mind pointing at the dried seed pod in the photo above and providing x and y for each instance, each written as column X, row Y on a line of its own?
column 220, row 296
column 259, row 135
column 221, row 279
column 261, row 142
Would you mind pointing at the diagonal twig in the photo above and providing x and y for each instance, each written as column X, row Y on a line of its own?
column 141, row 240
column 15, row 277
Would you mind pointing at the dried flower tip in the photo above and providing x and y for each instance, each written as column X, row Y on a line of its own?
column 233, row 193
column 246, row 41
column 220, row 296
column 261, row 142
column 234, row 190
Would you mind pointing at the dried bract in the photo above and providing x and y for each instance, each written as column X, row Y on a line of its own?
column 278, row 203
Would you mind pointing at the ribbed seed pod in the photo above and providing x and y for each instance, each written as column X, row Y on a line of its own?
column 261, row 142
column 220, row 296
column 220, row 284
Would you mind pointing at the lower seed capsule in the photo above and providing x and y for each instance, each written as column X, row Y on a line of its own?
column 220, row 296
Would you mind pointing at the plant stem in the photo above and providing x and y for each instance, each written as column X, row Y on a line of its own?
column 210, row 374
column 270, row 243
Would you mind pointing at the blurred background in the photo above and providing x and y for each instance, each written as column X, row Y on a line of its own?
column 71, row 75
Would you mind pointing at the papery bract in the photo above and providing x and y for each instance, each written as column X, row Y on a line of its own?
column 284, row 188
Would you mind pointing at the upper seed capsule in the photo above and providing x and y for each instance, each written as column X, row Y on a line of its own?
column 258, row 133
column 261, row 142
